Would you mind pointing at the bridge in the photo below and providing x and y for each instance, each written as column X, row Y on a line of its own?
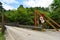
column 15, row 33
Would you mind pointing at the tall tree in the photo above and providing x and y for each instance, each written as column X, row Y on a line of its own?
column 0, row 11
column 56, row 11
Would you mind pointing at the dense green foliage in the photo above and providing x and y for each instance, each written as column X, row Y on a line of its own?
column 0, row 9
column 1, row 36
column 56, row 11
column 25, row 16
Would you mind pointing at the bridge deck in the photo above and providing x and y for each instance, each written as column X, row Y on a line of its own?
column 14, row 33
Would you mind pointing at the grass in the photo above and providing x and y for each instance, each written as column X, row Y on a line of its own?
column 1, row 36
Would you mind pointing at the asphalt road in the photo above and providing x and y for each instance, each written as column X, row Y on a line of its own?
column 14, row 33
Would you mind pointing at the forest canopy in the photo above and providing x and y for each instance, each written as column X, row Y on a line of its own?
column 25, row 16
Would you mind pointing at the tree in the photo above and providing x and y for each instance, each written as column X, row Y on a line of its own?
column 24, row 16
column 0, row 11
column 56, row 11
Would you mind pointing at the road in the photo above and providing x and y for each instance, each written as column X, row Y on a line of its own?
column 14, row 33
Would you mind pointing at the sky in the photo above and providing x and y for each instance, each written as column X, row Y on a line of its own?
column 14, row 4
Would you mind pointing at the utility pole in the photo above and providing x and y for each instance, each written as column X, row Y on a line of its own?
column 2, row 11
column 3, row 21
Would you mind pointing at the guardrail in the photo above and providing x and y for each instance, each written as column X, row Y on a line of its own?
column 31, row 27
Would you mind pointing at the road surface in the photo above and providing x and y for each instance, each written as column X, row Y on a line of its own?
column 14, row 33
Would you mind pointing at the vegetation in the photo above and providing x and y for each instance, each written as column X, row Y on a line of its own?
column 22, row 15
column 55, row 14
column 25, row 16
column 1, row 36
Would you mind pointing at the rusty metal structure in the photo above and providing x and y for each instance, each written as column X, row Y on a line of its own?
column 46, row 20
